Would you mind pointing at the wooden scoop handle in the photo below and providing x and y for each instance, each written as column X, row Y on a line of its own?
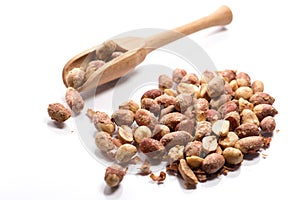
column 222, row 16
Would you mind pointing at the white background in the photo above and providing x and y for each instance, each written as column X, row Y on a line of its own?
column 38, row 37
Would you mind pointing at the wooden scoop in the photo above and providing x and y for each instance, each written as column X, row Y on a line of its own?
column 138, row 48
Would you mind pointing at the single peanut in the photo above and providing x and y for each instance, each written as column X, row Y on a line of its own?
column 250, row 144
column 212, row 163
column 268, row 124
column 233, row 156
column 123, row 117
column 246, row 130
column 152, row 148
column 58, row 112
column 114, row 175
column 125, row 153
column 176, row 138
column 186, row 173
column 257, row 86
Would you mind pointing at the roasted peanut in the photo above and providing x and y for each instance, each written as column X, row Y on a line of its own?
column 175, row 153
column 227, row 74
column 152, row 148
column 101, row 121
column 243, row 79
column 125, row 153
column 143, row 117
column 233, row 84
column 123, row 117
column 178, row 74
column 129, row 105
column 104, row 141
column 74, row 100
column 215, row 103
column 93, row 66
column 212, row 163
column 159, row 131
column 185, row 125
column 186, row 88
column 233, row 156
column 215, row 87
column 250, row 144
column 182, row 102
column 105, row 50
column 261, row 98
column 206, row 76
column 58, row 112
column 193, row 148
column 75, row 78
column 114, row 175
column 140, row 133
column 234, row 120
column 191, row 78
column 246, row 130
column 187, row 174
column 209, row 143
column 125, row 134
column 264, row 110
column 227, row 107
column 152, row 94
column 203, row 128
column 257, row 86
column 244, row 104
column 172, row 119
column 248, row 116
column 151, row 105
column 194, row 162
column 228, row 141
column 170, row 92
column 165, row 100
column 243, row 92
column 268, row 124
column 212, row 115
column 164, row 82
column 221, row 127
column 167, row 110
column 176, row 138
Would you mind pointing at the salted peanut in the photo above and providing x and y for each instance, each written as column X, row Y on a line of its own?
column 186, row 88
column 176, row 138
column 116, row 54
column 178, row 74
column 264, row 110
column 105, row 50
column 246, row 130
column 165, row 100
column 125, row 134
column 164, row 82
column 233, row 156
column 152, row 148
column 228, row 90
column 142, row 117
column 234, row 120
column 227, row 107
column 212, row 115
column 123, row 117
column 194, row 162
column 152, row 94
column 190, row 113
column 261, row 98
column 186, row 125
column 75, row 78
column 227, row 74
column 151, row 105
column 243, row 79
column 250, row 144
column 215, row 103
column 58, row 112
column 202, row 92
column 170, row 92
column 268, row 124
column 209, row 143
column 248, row 116
column 114, row 175
column 140, row 133
column 172, row 119
column 191, row 78
column 201, row 104
column 182, row 102
column 228, row 141
column 104, row 141
column 92, row 66
column 257, row 86
column 203, row 128
column 129, row 105
column 221, row 127
column 175, row 153
column 125, row 153
column 212, row 163
column 187, row 174
column 101, row 121
column 243, row 92
column 215, row 87
column 244, row 104
column 193, row 148
column 234, row 85
column 159, row 131
column 167, row 110
column 206, row 77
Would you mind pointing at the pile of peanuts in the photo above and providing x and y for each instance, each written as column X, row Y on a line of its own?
column 202, row 126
